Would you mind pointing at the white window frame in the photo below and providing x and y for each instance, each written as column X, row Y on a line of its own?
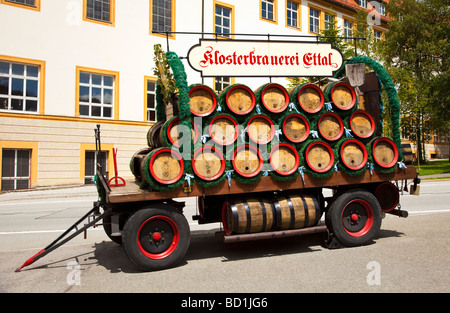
column 348, row 30
column 151, row 93
column 220, row 28
column 290, row 11
column 15, row 178
column 7, row 99
column 382, row 9
column 327, row 21
column 377, row 35
column 102, row 105
column 90, row 178
column 155, row 16
column 314, row 21
column 269, row 8
column 223, row 82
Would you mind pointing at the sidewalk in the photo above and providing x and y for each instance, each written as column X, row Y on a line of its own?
column 436, row 176
column 51, row 192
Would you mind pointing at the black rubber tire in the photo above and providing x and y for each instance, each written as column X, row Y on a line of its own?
column 354, row 217
column 156, row 238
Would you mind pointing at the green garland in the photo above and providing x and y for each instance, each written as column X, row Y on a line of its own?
column 184, row 111
column 100, row 189
column 388, row 84
column 186, row 117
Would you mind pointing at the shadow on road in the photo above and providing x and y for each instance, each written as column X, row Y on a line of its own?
column 205, row 246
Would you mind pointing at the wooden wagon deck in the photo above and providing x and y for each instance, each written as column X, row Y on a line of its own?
column 131, row 192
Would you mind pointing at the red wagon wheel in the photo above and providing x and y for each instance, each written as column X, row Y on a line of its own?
column 155, row 238
column 354, row 217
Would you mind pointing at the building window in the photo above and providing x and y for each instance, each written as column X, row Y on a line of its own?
column 19, row 87
column 16, row 164
column 329, row 20
column 348, row 30
column 314, row 21
column 90, row 164
column 220, row 83
column 99, row 11
column 292, row 14
column 97, row 93
column 222, row 21
column 382, row 9
column 362, row 3
column 376, row 35
column 268, row 9
column 27, row 4
column 162, row 19
column 150, row 100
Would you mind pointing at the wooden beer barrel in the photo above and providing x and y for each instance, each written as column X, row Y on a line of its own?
column 154, row 135
column 202, row 100
column 284, row 159
column 353, row 154
column 385, row 152
column 174, row 132
column 342, row 95
column 309, row 97
column 136, row 161
column 273, row 97
column 388, row 196
column 247, row 160
column 165, row 166
column 407, row 153
column 260, row 129
column 331, row 126
column 362, row 124
column 247, row 216
column 293, row 212
column 319, row 156
column 208, row 163
column 296, row 127
column 239, row 99
column 223, row 129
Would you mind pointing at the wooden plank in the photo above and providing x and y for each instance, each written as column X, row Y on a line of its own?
column 132, row 193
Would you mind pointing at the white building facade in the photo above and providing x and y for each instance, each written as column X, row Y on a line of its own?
column 68, row 65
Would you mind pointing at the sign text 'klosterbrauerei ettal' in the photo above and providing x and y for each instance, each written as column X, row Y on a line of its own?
column 264, row 58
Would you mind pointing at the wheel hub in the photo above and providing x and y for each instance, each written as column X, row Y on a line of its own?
column 357, row 217
column 158, row 237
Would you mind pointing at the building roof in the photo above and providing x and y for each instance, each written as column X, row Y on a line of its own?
column 354, row 6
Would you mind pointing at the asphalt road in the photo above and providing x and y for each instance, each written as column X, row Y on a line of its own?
column 408, row 255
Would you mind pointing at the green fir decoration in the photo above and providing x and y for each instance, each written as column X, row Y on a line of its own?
column 183, row 105
column 388, row 84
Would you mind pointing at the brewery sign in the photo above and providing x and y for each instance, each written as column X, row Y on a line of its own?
column 264, row 58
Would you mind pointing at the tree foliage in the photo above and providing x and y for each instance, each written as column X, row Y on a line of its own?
column 416, row 53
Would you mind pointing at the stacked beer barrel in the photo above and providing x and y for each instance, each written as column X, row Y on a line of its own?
column 243, row 134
